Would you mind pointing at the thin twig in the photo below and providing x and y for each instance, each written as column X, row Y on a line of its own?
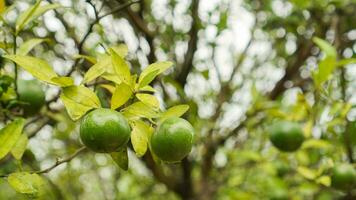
column 119, row 8
column 56, row 164
column 34, row 132
column 59, row 162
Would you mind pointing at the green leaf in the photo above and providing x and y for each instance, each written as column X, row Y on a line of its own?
column 139, row 137
column 32, row 13
column 39, row 68
column 121, row 95
column 139, row 109
column 63, row 81
column 346, row 61
column 90, row 59
column 20, row 147
column 149, row 100
column 96, row 70
column 307, row 173
column 9, row 135
column 148, row 74
column 78, row 100
column 27, row 46
column 121, row 50
column 326, row 47
column 175, row 111
column 24, row 17
column 26, row 183
column 325, row 69
column 120, row 67
column 121, row 158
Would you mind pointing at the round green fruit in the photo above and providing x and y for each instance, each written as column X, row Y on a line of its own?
column 104, row 130
column 32, row 95
column 286, row 136
column 173, row 139
column 343, row 177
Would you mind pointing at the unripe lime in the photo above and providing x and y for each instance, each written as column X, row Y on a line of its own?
column 104, row 130
column 286, row 136
column 173, row 139
column 31, row 93
column 343, row 177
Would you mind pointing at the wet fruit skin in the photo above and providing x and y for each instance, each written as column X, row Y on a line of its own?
column 343, row 177
column 286, row 136
column 31, row 93
column 104, row 130
column 173, row 139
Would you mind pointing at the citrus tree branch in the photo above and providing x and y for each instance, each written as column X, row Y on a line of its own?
column 61, row 161
column 119, row 8
column 56, row 164
column 192, row 45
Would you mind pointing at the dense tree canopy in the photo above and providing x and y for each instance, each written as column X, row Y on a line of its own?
column 261, row 91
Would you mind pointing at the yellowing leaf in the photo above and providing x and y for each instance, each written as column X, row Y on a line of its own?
column 315, row 143
column 78, row 100
column 27, row 46
column 148, row 88
column 121, row 50
column 9, row 135
column 88, row 58
column 26, row 183
column 32, row 13
column 2, row 6
column 140, row 109
column 149, row 100
column 19, row 148
column 139, row 137
column 121, row 95
column 324, row 180
column 120, row 67
column 307, row 129
column 112, row 77
column 96, row 70
column 133, row 82
column 82, row 95
column 63, row 81
column 121, row 158
column 307, row 173
column 147, row 79
column 25, row 16
column 175, row 111
column 149, row 73
column 108, row 87
column 39, row 68
column 75, row 110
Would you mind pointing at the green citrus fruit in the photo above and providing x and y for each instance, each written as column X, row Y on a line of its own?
column 173, row 139
column 343, row 177
column 286, row 136
column 31, row 93
column 104, row 130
